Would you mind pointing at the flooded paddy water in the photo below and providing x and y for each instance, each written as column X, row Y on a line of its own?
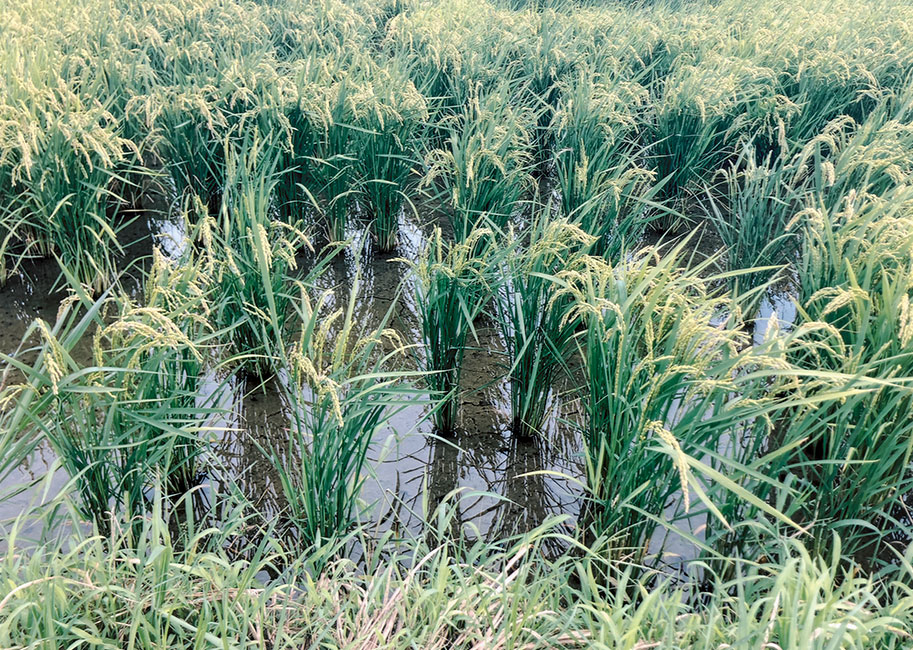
column 497, row 484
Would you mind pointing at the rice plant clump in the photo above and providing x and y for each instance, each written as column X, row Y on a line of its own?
column 657, row 371
column 484, row 163
column 253, row 252
column 453, row 286
column 342, row 391
column 393, row 125
column 67, row 155
column 855, row 287
column 597, row 162
column 699, row 113
column 536, row 319
column 131, row 415
column 754, row 219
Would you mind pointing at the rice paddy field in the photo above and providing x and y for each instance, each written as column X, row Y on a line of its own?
column 456, row 324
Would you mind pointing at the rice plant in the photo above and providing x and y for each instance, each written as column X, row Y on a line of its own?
column 16, row 240
column 452, row 287
column 455, row 47
column 342, row 392
column 181, row 289
column 483, row 168
column 698, row 114
column 67, row 156
column 386, row 153
column 603, row 187
column 337, row 164
column 254, row 252
column 192, row 128
column 754, row 219
column 868, row 158
column 535, row 318
column 855, row 288
column 131, row 414
column 304, row 113
column 659, row 383
column 550, row 59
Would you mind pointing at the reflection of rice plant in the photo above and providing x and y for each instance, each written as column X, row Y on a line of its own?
column 452, row 287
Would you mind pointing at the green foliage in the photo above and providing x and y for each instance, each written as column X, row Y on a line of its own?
column 148, row 590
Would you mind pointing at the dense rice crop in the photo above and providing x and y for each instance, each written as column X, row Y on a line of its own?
column 649, row 318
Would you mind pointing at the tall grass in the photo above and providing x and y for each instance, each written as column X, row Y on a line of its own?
column 153, row 590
